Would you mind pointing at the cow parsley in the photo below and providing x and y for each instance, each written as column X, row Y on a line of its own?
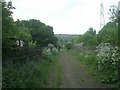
column 107, row 56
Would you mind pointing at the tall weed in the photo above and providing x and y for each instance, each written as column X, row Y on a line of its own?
column 33, row 74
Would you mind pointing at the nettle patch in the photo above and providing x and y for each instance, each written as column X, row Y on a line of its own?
column 107, row 61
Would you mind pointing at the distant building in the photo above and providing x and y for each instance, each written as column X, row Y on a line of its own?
column 79, row 46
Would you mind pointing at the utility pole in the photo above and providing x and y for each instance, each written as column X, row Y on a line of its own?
column 102, row 18
column 119, row 44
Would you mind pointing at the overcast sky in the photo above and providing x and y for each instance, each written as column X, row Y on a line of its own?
column 65, row 16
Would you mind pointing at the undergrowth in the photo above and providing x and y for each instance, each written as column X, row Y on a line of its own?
column 32, row 74
column 89, row 59
column 56, row 75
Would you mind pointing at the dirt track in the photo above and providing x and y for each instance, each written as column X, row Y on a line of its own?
column 74, row 74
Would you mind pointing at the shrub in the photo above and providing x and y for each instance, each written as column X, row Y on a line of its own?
column 68, row 46
column 107, row 62
column 32, row 74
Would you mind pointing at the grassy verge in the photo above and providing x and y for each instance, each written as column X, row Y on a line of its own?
column 89, row 60
column 58, row 72
column 56, row 75
column 32, row 74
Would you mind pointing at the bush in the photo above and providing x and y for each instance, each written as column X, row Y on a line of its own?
column 68, row 46
column 103, row 64
column 33, row 74
column 107, row 62
column 107, row 57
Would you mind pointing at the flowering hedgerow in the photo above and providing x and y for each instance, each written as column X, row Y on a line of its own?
column 107, row 59
column 107, row 56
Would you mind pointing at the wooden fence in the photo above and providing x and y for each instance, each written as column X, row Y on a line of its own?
column 19, row 54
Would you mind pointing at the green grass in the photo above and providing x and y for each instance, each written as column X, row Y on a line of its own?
column 89, row 60
column 32, row 74
column 58, row 72
column 56, row 75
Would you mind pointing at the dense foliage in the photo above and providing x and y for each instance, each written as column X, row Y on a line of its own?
column 33, row 74
column 105, row 56
column 108, row 34
column 68, row 45
column 88, row 38
column 101, row 55
column 25, row 66
column 33, row 32
column 41, row 33
column 8, row 27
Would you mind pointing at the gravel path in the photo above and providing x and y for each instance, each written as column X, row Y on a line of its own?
column 74, row 74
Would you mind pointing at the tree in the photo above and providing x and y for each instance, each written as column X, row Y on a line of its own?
column 8, row 27
column 108, row 34
column 41, row 33
column 32, row 32
column 91, row 31
column 113, row 12
column 23, row 33
column 88, row 38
